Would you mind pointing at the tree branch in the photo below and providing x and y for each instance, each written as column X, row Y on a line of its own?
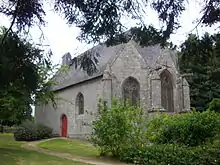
column 12, row 23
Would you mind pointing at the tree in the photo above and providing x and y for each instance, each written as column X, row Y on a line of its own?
column 97, row 19
column 201, row 58
column 100, row 19
column 23, row 78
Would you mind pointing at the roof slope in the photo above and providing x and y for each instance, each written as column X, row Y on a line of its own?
column 77, row 75
column 107, row 54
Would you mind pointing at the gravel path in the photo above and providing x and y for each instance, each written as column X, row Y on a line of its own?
column 86, row 160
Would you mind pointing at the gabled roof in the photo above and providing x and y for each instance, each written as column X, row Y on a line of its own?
column 107, row 54
column 77, row 75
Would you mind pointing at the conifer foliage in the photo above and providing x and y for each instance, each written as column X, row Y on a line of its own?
column 98, row 19
column 200, row 57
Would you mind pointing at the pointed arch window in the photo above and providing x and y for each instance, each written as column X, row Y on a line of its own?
column 80, row 103
column 131, row 91
column 167, row 91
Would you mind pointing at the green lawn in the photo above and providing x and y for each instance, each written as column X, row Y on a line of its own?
column 11, row 153
column 77, row 148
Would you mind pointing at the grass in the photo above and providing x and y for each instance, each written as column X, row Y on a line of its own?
column 11, row 153
column 77, row 148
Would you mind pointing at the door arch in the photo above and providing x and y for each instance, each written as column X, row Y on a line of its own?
column 63, row 125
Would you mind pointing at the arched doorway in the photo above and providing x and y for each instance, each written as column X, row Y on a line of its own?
column 63, row 126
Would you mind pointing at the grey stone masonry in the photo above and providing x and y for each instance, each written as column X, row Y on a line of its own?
column 117, row 64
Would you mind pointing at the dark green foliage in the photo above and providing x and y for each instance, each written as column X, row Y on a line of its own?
column 31, row 131
column 173, row 155
column 7, row 129
column 97, row 19
column 100, row 19
column 18, row 75
column 200, row 58
column 211, row 12
column 24, row 74
column 178, row 134
column 169, row 12
column 145, row 36
column 1, row 128
column 44, row 132
column 23, row 13
column 190, row 129
column 26, row 132
column 214, row 105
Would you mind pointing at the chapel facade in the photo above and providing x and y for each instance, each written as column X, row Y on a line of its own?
column 147, row 76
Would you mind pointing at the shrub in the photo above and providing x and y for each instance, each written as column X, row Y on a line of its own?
column 172, row 154
column 117, row 128
column 183, row 139
column 44, row 132
column 214, row 105
column 7, row 129
column 1, row 128
column 190, row 129
column 31, row 131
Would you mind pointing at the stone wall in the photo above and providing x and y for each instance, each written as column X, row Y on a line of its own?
column 77, row 124
column 129, row 63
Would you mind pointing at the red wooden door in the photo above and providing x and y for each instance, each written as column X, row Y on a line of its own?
column 64, row 126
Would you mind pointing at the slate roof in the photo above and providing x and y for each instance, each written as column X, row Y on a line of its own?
column 152, row 53
column 107, row 54
column 74, row 76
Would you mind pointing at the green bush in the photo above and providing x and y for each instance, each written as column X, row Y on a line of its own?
column 7, row 129
column 214, row 105
column 190, row 129
column 1, row 128
column 173, row 155
column 44, row 132
column 183, row 139
column 118, row 127
column 31, row 131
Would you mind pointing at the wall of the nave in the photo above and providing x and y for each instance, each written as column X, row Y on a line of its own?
column 66, row 104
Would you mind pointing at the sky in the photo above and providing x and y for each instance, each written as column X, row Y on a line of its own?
column 61, row 38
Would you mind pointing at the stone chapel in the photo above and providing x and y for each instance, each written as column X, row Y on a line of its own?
column 148, row 75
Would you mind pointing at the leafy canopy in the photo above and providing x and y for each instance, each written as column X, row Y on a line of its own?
column 24, row 73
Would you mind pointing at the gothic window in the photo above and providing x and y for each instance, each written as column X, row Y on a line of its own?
column 166, row 91
column 80, row 103
column 131, row 91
